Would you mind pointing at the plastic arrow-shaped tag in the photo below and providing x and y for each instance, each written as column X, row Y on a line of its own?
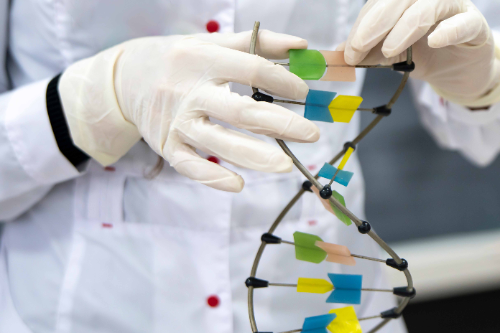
column 346, row 321
column 347, row 288
column 342, row 177
column 307, row 64
column 345, row 158
column 313, row 286
column 343, row 107
column 321, row 65
column 337, row 68
column 317, row 103
column 341, row 216
column 331, row 208
column 337, row 253
column 306, row 249
column 318, row 324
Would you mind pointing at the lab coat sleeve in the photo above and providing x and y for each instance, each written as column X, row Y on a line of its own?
column 30, row 160
column 475, row 134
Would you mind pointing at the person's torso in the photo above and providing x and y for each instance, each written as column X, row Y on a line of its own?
column 116, row 251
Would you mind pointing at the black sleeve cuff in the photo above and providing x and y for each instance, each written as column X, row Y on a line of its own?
column 60, row 127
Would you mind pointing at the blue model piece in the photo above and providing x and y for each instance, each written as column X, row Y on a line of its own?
column 343, row 177
column 347, row 288
column 328, row 171
column 317, row 102
column 318, row 324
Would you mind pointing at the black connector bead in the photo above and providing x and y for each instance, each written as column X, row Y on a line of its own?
column 348, row 145
column 404, row 67
column 326, row 192
column 403, row 292
column 392, row 313
column 270, row 239
column 306, row 186
column 391, row 262
column 256, row 283
column 365, row 228
column 382, row 111
column 260, row 97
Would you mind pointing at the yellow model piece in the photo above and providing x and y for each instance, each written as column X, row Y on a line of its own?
column 343, row 107
column 346, row 321
column 345, row 158
column 313, row 286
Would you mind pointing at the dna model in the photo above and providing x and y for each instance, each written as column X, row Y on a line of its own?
column 328, row 107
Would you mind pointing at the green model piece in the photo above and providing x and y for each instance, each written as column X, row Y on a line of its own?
column 307, row 64
column 341, row 216
column 306, row 249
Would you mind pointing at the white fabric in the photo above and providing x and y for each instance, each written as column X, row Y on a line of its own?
column 458, row 128
column 166, row 88
column 31, row 160
column 24, row 115
column 453, row 46
column 113, row 251
column 10, row 320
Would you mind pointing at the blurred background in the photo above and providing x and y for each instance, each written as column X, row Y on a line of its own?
column 439, row 211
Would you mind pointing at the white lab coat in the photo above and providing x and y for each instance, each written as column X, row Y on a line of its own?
column 109, row 250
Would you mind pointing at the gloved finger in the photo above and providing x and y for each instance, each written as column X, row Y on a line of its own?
column 469, row 27
column 222, row 65
column 415, row 24
column 376, row 57
column 341, row 47
column 374, row 24
column 229, row 65
column 189, row 164
column 258, row 117
column 270, row 44
column 233, row 147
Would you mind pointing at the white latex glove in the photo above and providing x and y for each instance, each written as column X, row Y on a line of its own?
column 453, row 48
column 164, row 89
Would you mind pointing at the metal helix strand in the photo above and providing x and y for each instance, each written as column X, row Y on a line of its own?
column 337, row 204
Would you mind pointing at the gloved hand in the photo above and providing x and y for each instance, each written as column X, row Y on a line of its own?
column 164, row 89
column 453, row 48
